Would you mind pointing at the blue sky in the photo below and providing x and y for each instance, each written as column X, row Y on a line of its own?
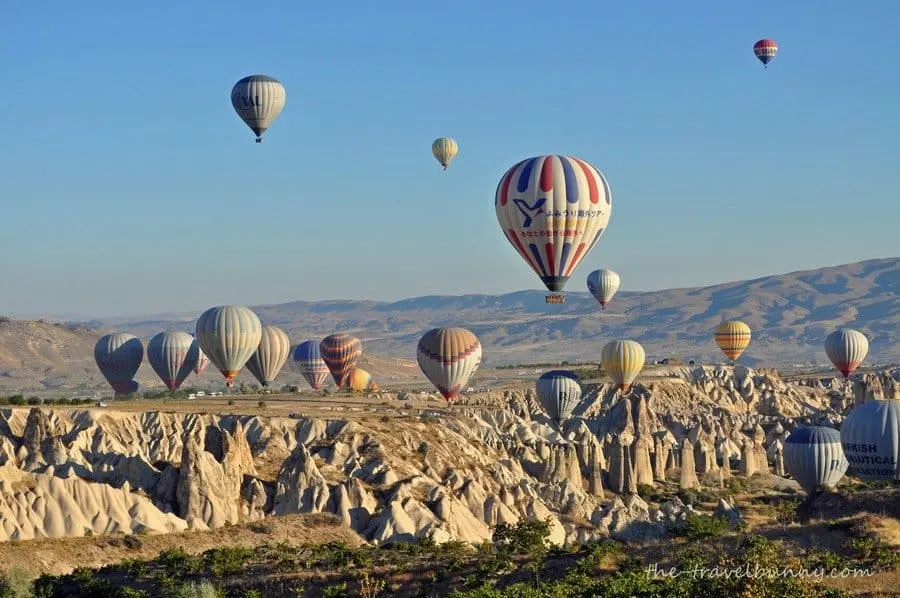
column 130, row 186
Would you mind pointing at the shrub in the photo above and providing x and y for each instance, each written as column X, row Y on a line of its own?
column 528, row 537
column 876, row 553
column 700, row 527
column 261, row 405
column 224, row 562
column 261, row 527
column 16, row 583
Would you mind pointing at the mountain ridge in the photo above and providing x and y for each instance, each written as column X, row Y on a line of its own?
column 797, row 308
column 790, row 314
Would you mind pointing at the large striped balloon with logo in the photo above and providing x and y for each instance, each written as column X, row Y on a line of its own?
column 553, row 210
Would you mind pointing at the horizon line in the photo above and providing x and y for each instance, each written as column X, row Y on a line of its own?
column 83, row 318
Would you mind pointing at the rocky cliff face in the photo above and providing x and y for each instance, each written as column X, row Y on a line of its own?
column 449, row 475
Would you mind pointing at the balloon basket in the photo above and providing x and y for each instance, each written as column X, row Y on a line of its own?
column 555, row 298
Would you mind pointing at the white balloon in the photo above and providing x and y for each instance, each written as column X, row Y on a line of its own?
column 258, row 100
column 603, row 285
column 870, row 436
column 814, row 457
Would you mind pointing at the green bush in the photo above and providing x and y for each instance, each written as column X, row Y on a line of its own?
column 223, row 562
column 876, row 553
column 527, row 537
column 16, row 583
column 700, row 527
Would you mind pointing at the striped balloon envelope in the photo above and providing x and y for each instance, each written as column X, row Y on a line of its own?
column 270, row 356
column 846, row 348
column 360, row 380
column 444, row 150
column 258, row 100
column 765, row 50
column 623, row 360
column 553, row 210
column 733, row 337
column 559, row 392
column 603, row 285
column 229, row 336
column 173, row 355
column 202, row 359
column 448, row 357
column 340, row 353
column 870, row 437
column 312, row 366
column 814, row 457
column 118, row 356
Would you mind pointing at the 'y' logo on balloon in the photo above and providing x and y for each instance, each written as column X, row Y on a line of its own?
column 530, row 211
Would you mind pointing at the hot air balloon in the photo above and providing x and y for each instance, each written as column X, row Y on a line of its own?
column 813, row 456
column 553, row 209
column 360, row 380
column 765, row 50
column 732, row 336
column 870, row 436
column 312, row 366
column 202, row 359
column 603, row 284
column 444, row 149
column 118, row 357
column 132, row 388
column 846, row 348
column 173, row 355
column 340, row 352
column 623, row 360
column 559, row 392
column 258, row 100
column 448, row 357
column 229, row 335
column 271, row 354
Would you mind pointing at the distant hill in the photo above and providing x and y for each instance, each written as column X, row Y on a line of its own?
column 790, row 315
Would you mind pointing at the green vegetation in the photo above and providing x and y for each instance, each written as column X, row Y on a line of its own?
column 518, row 563
column 21, row 401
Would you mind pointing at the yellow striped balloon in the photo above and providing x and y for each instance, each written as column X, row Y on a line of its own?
column 444, row 149
column 340, row 352
column 732, row 337
column 623, row 360
column 360, row 380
